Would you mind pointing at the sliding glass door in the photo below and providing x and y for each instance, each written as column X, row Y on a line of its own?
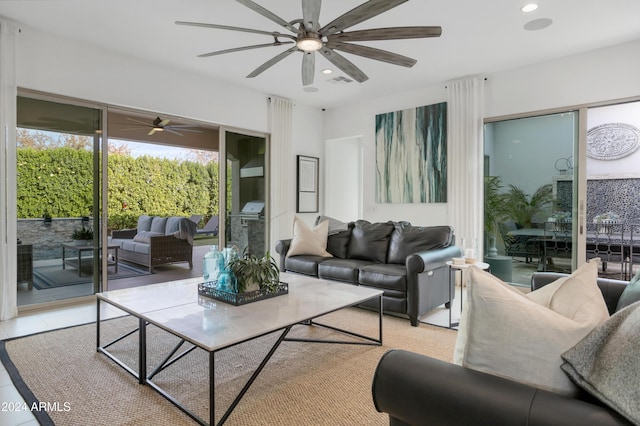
column 58, row 199
column 530, row 194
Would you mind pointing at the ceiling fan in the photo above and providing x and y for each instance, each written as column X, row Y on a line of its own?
column 160, row 125
column 309, row 37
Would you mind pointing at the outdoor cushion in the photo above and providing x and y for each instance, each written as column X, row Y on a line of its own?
column 159, row 224
column 144, row 223
column 145, row 236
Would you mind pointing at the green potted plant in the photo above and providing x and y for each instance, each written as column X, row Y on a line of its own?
column 82, row 236
column 255, row 273
column 523, row 208
column 494, row 211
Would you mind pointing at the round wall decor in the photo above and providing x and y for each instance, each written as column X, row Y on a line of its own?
column 612, row 141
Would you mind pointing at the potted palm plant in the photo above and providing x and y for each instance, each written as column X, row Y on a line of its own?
column 523, row 208
column 494, row 211
column 255, row 273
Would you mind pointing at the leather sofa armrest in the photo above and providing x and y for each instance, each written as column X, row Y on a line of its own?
column 124, row 234
column 416, row 390
column 282, row 247
column 423, row 261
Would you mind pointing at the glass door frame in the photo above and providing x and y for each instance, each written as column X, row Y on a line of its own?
column 98, row 203
column 222, row 176
column 578, row 232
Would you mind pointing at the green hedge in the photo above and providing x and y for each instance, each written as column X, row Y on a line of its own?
column 59, row 181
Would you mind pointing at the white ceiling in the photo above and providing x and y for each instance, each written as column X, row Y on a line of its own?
column 477, row 37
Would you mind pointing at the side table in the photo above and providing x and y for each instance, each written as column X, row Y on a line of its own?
column 452, row 271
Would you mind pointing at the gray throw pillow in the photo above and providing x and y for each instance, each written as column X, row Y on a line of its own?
column 606, row 364
column 159, row 224
column 335, row 225
column 631, row 294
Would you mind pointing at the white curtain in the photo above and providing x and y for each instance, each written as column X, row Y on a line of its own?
column 466, row 157
column 282, row 205
column 8, row 93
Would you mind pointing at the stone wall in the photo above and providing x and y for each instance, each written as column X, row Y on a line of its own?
column 47, row 238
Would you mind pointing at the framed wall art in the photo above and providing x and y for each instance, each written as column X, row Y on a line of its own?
column 307, row 184
column 411, row 155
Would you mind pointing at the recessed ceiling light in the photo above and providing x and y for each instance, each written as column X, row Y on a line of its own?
column 529, row 7
column 538, row 24
column 327, row 71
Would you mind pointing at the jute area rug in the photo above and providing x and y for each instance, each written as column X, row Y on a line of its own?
column 303, row 384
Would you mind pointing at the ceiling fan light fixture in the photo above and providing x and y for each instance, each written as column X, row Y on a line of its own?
column 309, row 43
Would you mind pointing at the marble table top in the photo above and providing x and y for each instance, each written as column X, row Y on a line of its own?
column 176, row 307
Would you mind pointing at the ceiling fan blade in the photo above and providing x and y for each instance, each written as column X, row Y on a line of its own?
column 344, row 64
column 311, row 14
column 308, row 68
column 173, row 131
column 164, row 122
column 373, row 53
column 359, row 14
column 268, row 14
column 152, row 131
column 271, row 62
column 182, row 129
column 138, row 121
column 226, row 27
column 239, row 49
column 395, row 33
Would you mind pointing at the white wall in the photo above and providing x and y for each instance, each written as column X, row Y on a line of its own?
column 601, row 75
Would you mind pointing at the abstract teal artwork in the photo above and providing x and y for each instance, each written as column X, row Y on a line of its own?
column 411, row 155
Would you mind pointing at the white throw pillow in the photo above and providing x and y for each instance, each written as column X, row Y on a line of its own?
column 522, row 336
column 309, row 241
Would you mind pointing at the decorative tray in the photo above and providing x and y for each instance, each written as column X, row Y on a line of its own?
column 238, row 299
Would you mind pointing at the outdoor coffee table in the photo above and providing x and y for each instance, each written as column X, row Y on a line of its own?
column 77, row 263
column 177, row 308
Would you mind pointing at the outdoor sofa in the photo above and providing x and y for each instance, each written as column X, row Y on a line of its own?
column 156, row 241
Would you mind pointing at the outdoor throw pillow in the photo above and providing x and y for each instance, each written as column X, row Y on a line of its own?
column 145, row 236
column 521, row 336
column 309, row 241
column 631, row 294
column 606, row 362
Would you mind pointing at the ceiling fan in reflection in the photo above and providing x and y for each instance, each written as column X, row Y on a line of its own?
column 160, row 125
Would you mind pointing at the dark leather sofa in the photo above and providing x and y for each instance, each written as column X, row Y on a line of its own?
column 407, row 262
column 418, row 390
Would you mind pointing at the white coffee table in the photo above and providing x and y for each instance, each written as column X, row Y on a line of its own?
column 177, row 308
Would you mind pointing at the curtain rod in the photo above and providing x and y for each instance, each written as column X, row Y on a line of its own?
column 485, row 79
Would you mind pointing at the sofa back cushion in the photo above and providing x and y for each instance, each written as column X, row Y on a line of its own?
column 406, row 240
column 370, row 241
column 158, row 224
column 144, row 223
column 338, row 243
